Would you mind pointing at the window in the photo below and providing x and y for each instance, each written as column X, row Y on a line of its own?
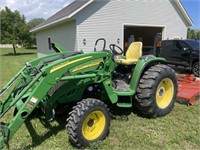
column 168, row 44
column 178, row 45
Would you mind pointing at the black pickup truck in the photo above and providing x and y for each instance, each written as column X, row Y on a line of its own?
column 182, row 53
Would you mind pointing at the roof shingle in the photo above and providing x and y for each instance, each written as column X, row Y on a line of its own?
column 65, row 12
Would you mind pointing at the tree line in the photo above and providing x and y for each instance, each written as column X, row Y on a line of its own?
column 193, row 34
column 16, row 30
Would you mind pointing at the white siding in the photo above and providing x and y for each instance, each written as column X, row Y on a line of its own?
column 64, row 34
column 106, row 19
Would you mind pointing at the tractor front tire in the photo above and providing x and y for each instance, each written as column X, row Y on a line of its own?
column 88, row 122
column 157, row 90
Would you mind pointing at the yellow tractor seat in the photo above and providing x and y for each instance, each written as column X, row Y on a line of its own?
column 133, row 53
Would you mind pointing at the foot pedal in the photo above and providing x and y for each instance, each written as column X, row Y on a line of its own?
column 126, row 105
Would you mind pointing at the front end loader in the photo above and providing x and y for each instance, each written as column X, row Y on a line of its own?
column 90, row 80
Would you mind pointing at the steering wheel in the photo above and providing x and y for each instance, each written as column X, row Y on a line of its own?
column 113, row 49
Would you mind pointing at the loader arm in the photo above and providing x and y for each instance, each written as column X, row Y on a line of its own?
column 33, row 85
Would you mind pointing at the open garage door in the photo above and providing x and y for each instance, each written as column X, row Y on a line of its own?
column 146, row 34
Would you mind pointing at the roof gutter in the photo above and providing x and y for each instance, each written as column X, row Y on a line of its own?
column 76, row 11
column 183, row 11
column 50, row 24
column 62, row 19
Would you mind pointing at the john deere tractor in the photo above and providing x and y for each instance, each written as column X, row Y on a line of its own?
column 92, row 81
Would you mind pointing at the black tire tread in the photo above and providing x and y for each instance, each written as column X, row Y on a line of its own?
column 195, row 73
column 75, row 116
column 145, row 91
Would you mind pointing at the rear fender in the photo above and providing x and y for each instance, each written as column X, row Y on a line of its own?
column 142, row 65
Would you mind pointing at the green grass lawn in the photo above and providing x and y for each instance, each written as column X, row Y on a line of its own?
column 178, row 130
column 10, row 64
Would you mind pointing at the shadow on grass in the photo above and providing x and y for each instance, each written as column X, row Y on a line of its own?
column 31, row 48
column 18, row 54
column 123, row 113
column 118, row 113
column 53, row 130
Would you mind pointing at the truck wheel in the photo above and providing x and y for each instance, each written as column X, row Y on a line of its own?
column 157, row 90
column 195, row 69
column 88, row 122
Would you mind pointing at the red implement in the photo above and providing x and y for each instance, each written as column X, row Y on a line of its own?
column 188, row 89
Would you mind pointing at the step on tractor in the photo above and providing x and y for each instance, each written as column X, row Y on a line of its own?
column 93, row 81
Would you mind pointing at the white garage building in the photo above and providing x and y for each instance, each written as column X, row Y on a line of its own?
column 78, row 25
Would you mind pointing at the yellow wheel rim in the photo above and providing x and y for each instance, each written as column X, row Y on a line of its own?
column 164, row 93
column 93, row 125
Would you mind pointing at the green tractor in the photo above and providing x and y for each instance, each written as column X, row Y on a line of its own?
column 92, row 81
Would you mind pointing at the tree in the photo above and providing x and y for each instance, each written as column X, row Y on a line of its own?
column 198, row 35
column 188, row 33
column 13, row 28
column 31, row 39
column 193, row 34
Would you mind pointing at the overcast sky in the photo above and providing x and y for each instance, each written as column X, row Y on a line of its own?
column 46, row 8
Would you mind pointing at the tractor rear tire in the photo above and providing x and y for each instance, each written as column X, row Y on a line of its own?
column 157, row 90
column 88, row 122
